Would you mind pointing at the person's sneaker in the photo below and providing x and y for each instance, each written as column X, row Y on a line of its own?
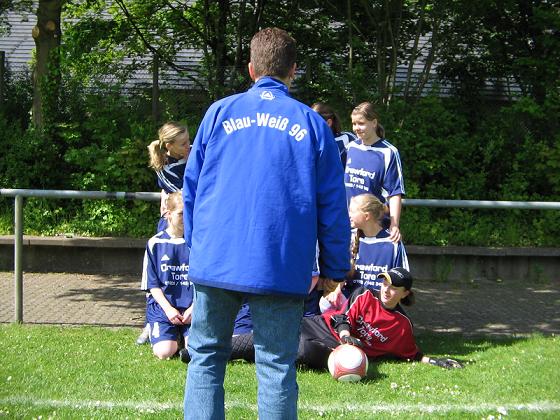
column 184, row 355
column 144, row 336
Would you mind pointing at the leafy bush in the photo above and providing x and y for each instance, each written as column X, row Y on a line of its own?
column 102, row 147
column 507, row 152
column 86, row 218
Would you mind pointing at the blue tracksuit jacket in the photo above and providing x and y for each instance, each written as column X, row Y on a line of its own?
column 262, row 184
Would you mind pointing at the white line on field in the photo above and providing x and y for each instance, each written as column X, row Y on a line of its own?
column 536, row 406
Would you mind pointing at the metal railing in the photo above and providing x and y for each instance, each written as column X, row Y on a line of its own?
column 19, row 194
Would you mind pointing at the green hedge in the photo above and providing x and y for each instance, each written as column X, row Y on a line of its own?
column 496, row 152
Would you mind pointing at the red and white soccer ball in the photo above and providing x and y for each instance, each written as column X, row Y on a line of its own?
column 348, row 363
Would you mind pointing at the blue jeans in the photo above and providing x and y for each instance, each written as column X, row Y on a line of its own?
column 276, row 327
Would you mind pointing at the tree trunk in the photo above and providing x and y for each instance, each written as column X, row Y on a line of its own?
column 46, row 75
column 155, row 89
column 2, row 84
column 221, row 47
column 350, row 37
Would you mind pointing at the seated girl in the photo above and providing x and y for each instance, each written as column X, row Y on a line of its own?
column 373, row 320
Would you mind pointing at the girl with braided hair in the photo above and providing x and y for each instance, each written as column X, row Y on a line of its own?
column 372, row 252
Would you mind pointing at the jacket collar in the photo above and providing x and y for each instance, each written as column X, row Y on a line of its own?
column 270, row 83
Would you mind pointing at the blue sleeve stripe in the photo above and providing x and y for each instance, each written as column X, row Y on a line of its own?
column 398, row 161
column 165, row 184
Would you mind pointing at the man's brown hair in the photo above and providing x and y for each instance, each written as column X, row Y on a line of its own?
column 273, row 53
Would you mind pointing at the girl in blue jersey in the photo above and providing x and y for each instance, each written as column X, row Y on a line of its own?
column 168, row 157
column 373, row 251
column 373, row 165
column 165, row 277
column 342, row 138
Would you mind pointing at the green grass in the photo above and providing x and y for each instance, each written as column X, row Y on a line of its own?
column 94, row 372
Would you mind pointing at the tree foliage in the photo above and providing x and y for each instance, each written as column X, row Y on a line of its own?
column 516, row 42
column 427, row 64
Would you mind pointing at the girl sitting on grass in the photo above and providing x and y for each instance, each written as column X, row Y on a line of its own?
column 372, row 320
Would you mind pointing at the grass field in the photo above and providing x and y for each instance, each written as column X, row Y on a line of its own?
column 93, row 372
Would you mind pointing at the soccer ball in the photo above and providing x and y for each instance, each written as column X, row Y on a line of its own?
column 348, row 363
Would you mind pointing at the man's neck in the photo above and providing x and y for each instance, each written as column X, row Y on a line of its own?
column 287, row 81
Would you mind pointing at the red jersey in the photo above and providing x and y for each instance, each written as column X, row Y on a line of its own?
column 383, row 332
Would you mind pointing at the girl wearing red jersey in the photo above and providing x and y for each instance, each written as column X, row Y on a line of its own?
column 375, row 321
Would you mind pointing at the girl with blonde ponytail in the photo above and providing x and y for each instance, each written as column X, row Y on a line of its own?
column 372, row 251
column 168, row 157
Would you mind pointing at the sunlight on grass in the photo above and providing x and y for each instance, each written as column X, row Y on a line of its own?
column 65, row 372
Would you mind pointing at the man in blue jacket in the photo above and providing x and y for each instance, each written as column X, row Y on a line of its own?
column 263, row 184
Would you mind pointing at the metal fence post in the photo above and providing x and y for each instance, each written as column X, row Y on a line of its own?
column 18, row 258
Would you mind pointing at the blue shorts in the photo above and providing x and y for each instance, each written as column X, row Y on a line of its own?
column 243, row 322
column 161, row 329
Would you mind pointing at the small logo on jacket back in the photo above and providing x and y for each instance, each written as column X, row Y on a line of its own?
column 267, row 95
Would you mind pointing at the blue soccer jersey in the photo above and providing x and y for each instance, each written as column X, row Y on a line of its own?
column 342, row 141
column 166, row 266
column 375, row 255
column 374, row 169
column 170, row 178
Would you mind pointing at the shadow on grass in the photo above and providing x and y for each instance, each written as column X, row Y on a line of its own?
column 373, row 374
column 454, row 346
column 457, row 346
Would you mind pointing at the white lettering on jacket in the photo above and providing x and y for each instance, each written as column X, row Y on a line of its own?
column 265, row 120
